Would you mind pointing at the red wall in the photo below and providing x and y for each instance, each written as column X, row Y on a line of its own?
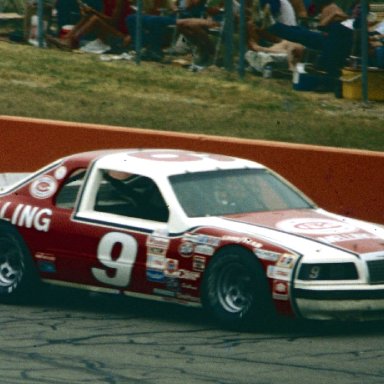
column 349, row 182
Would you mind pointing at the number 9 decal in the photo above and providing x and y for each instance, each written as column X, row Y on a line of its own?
column 122, row 265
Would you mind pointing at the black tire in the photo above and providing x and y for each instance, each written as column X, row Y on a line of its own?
column 235, row 290
column 18, row 275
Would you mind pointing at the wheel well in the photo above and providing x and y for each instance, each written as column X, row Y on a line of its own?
column 7, row 226
column 236, row 247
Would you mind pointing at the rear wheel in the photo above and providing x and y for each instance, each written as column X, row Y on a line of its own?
column 235, row 289
column 17, row 274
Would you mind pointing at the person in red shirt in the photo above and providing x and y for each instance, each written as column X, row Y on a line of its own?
column 106, row 25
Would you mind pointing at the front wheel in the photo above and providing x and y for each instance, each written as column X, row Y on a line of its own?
column 235, row 290
column 16, row 269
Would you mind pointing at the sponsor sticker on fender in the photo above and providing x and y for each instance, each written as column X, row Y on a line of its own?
column 186, row 249
column 286, row 260
column 314, row 226
column 279, row 273
column 198, row 263
column 242, row 240
column 205, row 250
column 43, row 187
column 280, row 290
column 157, row 242
column 171, row 267
column 202, row 239
column 155, row 262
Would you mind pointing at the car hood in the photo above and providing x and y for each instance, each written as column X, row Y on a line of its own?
column 320, row 226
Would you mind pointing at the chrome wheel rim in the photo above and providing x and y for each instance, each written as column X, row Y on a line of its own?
column 11, row 262
column 234, row 288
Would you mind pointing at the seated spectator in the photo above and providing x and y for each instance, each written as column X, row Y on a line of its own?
column 156, row 21
column 108, row 26
column 334, row 40
column 68, row 11
column 197, row 31
column 200, row 31
column 156, row 17
column 266, row 48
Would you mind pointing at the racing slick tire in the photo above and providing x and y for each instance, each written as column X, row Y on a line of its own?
column 18, row 275
column 236, row 292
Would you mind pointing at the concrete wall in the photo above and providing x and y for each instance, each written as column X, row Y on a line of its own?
column 349, row 182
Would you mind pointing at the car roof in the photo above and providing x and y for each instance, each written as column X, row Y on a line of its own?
column 168, row 162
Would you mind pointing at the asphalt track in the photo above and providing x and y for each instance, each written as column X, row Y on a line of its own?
column 74, row 337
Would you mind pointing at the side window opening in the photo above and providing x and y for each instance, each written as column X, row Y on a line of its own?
column 130, row 195
column 67, row 195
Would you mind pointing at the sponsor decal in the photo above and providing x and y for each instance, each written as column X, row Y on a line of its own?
column 155, row 262
column 266, row 255
column 157, row 251
column 348, row 237
column 45, row 256
column 286, row 260
column 313, row 226
column 198, row 263
column 27, row 216
column 186, row 249
column 188, row 275
column 280, row 290
column 204, row 250
column 158, row 240
column 183, row 274
column 279, row 273
column 43, row 187
column 172, row 284
column 202, row 239
column 178, row 155
column 45, row 262
column 60, row 172
column 155, row 275
column 189, row 286
column 171, row 267
column 46, row 266
column 243, row 240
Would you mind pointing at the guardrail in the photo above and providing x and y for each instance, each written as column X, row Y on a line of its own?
column 349, row 182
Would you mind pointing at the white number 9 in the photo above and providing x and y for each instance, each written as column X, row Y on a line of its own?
column 122, row 265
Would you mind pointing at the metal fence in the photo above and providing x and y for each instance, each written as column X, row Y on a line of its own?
column 227, row 35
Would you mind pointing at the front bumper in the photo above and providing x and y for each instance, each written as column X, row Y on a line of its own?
column 350, row 303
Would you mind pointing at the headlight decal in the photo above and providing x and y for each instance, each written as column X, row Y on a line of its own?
column 328, row 271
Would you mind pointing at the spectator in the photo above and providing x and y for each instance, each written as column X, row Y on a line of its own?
column 156, row 18
column 197, row 31
column 334, row 40
column 108, row 26
column 266, row 48
column 156, row 21
column 68, row 11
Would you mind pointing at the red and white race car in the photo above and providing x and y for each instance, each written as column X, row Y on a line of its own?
column 191, row 228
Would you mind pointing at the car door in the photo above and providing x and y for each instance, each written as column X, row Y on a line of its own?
column 105, row 238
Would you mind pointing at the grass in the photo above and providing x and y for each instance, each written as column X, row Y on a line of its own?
column 49, row 84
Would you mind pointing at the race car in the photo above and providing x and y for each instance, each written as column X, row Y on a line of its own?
column 197, row 229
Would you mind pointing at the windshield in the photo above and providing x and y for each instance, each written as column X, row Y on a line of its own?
column 226, row 192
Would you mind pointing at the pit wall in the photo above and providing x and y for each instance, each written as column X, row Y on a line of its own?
column 349, row 182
